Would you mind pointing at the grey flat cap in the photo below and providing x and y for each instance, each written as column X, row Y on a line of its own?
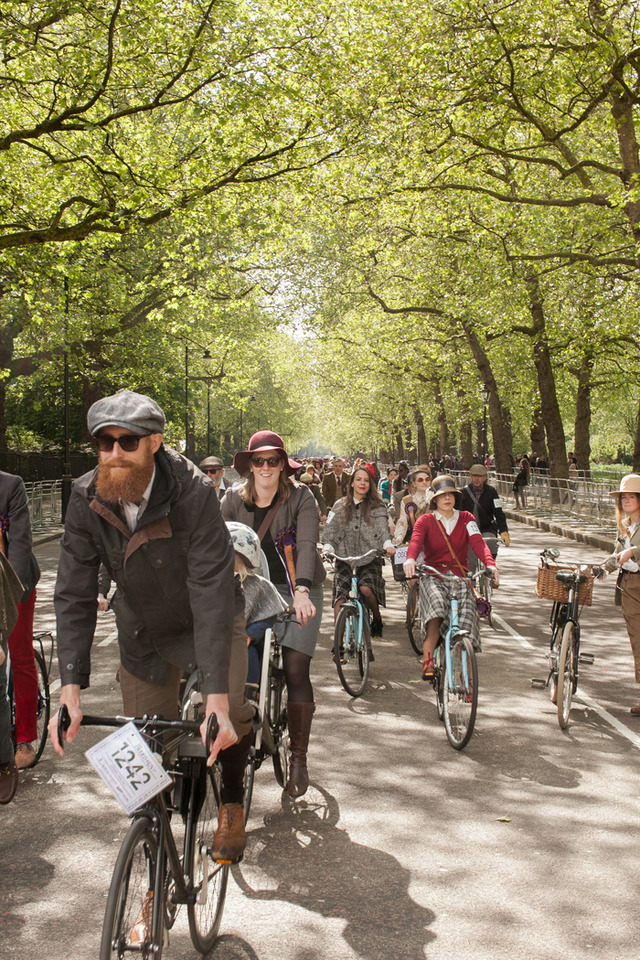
column 132, row 411
column 211, row 463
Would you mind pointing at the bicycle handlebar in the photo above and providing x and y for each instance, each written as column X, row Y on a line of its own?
column 426, row 571
column 369, row 553
column 146, row 723
column 576, row 567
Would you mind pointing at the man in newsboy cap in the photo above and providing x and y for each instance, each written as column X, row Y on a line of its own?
column 148, row 514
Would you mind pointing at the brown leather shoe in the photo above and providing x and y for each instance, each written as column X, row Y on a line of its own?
column 635, row 711
column 8, row 782
column 230, row 838
column 25, row 756
column 141, row 930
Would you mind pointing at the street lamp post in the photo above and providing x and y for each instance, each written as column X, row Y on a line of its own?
column 189, row 438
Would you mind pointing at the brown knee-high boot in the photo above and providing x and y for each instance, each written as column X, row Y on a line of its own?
column 299, row 717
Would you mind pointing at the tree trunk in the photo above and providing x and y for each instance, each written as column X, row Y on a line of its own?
column 499, row 414
column 550, row 407
column 422, row 440
column 444, row 443
column 583, row 414
column 537, row 434
column 636, row 445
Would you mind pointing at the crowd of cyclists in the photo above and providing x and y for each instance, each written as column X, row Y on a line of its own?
column 204, row 562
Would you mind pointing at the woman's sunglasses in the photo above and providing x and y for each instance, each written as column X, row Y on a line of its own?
column 270, row 461
column 127, row 442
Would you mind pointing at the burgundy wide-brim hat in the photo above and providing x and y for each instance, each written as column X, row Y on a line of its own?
column 264, row 440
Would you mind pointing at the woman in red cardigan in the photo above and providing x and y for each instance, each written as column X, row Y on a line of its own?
column 445, row 524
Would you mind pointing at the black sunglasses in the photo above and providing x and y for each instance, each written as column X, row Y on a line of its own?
column 213, row 469
column 270, row 461
column 127, row 442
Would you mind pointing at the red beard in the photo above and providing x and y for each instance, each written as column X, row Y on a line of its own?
column 123, row 483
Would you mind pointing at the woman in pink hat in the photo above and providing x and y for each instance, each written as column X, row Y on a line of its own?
column 627, row 551
column 284, row 515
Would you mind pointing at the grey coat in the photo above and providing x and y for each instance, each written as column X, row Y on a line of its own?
column 176, row 596
column 299, row 511
column 357, row 537
column 15, row 507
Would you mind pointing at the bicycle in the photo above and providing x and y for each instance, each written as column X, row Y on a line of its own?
column 455, row 678
column 485, row 582
column 271, row 730
column 151, row 877
column 43, row 705
column 570, row 587
column 352, row 632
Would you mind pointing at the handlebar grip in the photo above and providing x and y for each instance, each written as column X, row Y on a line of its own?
column 212, row 731
column 64, row 722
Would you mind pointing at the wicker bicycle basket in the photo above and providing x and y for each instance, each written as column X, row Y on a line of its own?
column 548, row 588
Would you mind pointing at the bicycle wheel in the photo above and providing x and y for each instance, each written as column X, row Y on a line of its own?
column 438, row 657
column 460, row 693
column 352, row 659
column 567, row 665
column 278, row 724
column 209, row 877
column 414, row 618
column 486, row 589
column 249, row 775
column 128, row 903
column 44, row 705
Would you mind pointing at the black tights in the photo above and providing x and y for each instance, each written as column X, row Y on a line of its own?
column 296, row 672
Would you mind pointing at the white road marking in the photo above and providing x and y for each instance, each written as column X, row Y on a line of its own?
column 512, row 633
column 109, row 639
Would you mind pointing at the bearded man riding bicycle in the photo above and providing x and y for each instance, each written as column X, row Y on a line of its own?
column 153, row 520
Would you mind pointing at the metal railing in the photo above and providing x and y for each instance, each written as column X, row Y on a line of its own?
column 45, row 503
column 582, row 499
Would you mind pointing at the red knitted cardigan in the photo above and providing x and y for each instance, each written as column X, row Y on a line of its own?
column 427, row 536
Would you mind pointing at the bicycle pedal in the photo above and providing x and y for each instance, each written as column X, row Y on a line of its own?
column 535, row 682
column 586, row 658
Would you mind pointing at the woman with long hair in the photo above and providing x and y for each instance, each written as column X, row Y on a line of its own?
column 356, row 524
column 285, row 516
column 627, row 552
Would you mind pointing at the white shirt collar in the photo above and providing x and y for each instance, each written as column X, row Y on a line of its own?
column 133, row 511
column 448, row 522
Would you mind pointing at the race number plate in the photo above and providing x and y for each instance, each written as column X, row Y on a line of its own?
column 133, row 773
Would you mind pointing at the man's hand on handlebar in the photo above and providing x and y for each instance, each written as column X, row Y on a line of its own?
column 70, row 697
column 218, row 703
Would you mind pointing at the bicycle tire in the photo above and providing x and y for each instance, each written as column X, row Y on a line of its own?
column 278, row 723
column 460, row 693
column 209, row 877
column 438, row 656
column 566, row 673
column 249, row 776
column 134, row 875
column 352, row 661
column 414, row 618
column 44, row 705
column 487, row 592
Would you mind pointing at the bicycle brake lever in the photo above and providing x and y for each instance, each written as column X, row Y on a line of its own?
column 64, row 722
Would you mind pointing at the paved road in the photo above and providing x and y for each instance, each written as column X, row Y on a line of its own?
column 523, row 845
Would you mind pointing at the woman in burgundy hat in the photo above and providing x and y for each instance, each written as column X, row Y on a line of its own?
column 284, row 514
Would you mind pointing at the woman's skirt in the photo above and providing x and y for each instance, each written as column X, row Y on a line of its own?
column 303, row 637
column 369, row 575
column 435, row 601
